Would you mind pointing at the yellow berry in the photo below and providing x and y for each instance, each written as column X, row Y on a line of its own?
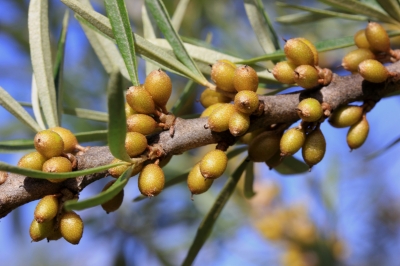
column 140, row 100
column 284, row 72
column 218, row 120
column 46, row 209
column 57, row 165
column 222, row 74
column 263, row 147
column 69, row 139
column 292, row 141
column 135, row 143
column 151, row 180
column 239, row 123
column 49, row 143
column 159, row 85
column 246, row 102
column 314, row 147
column 213, row 164
column 373, row 71
column 33, row 160
column 141, row 123
column 39, row 231
column 346, row 116
column 71, row 227
column 209, row 97
column 245, row 79
column 298, row 52
column 358, row 133
column 114, row 203
column 196, row 182
column 306, row 76
column 309, row 110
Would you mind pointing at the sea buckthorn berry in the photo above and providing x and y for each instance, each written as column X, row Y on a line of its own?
column 196, row 182
column 114, row 203
column 263, row 147
column 222, row 74
column 159, row 85
column 274, row 161
column 358, row 133
column 213, row 164
column 360, row 39
column 310, row 110
column 69, row 139
column 49, row 143
column 143, row 124
column 55, row 234
column 346, row 116
column 46, row 209
column 246, row 102
column 377, row 37
column 140, row 100
column 239, row 123
column 373, row 71
column 71, row 227
column 209, row 97
column 284, row 72
column 39, row 231
column 207, row 112
column 292, row 141
column 135, row 143
column 248, row 137
column 128, row 110
column 306, row 76
column 117, row 171
column 314, row 148
column 351, row 61
column 33, row 160
column 57, row 165
column 151, row 180
column 218, row 120
column 298, row 52
column 245, row 79
column 313, row 49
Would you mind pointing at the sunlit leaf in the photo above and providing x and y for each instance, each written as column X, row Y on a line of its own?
column 36, row 107
column 291, row 166
column 248, row 181
column 179, row 13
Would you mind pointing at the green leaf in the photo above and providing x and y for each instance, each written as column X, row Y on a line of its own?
column 103, row 196
column 118, row 15
column 298, row 18
column 96, row 135
column 16, row 145
column 59, row 66
column 261, row 25
column 179, row 13
column 117, row 117
column 43, row 175
column 41, row 58
column 36, row 108
column 207, row 224
column 11, row 105
column 148, row 33
column 392, row 7
column 157, row 9
column 248, row 181
column 87, row 114
column 291, row 166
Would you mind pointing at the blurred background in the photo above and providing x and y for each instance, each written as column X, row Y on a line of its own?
column 344, row 212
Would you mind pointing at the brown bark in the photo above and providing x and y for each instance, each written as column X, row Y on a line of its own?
column 191, row 133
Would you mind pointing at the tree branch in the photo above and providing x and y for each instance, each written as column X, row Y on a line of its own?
column 191, row 133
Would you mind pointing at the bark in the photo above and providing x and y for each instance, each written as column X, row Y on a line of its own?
column 191, row 133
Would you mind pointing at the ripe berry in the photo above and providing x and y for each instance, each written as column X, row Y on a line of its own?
column 222, row 74
column 292, row 141
column 57, row 165
column 274, row 161
column 119, row 170
column 69, row 139
column 358, row 133
column 46, row 209
column 49, row 143
column 141, row 123
column 360, row 39
column 71, row 227
column 207, row 112
column 312, row 48
column 309, row 110
column 239, row 123
column 196, row 182
column 151, row 180
column 213, row 164
column 135, row 143
column 209, row 97
column 114, row 203
column 263, row 147
column 248, row 137
column 128, row 110
column 377, row 37
column 284, row 72
column 373, row 71
column 55, row 234
column 314, row 147
column 39, row 231
column 306, row 76
column 346, row 116
column 218, row 120
column 298, row 52
column 351, row 61
column 246, row 102
column 159, row 85
column 245, row 79
column 140, row 100
column 33, row 160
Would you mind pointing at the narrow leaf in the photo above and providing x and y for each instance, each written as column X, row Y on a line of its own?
column 298, row 18
column 118, row 15
column 291, row 166
column 87, row 114
column 117, row 117
column 16, row 145
column 179, row 13
column 11, row 105
column 160, row 14
column 148, row 33
column 207, row 224
column 249, row 181
column 103, row 196
column 392, row 7
column 383, row 150
column 96, row 135
column 41, row 58
column 36, row 108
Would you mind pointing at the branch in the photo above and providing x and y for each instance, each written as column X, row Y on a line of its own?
column 190, row 133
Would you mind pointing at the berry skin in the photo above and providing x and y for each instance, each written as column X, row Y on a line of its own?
column 33, row 160
column 57, row 165
column 135, row 143
column 69, row 139
column 373, row 71
column 114, row 203
column 119, row 170
column 284, row 72
column 346, row 116
column 377, row 37
column 306, row 76
column 222, row 74
column 360, row 39
column 246, row 102
column 263, row 147
column 274, row 161
column 213, row 164
column 143, row 124
column 159, row 85
column 140, row 100
column 39, row 231
column 207, row 112
column 218, row 120
column 239, row 123
column 49, row 143
column 358, row 133
column 245, row 79
column 292, row 141
column 196, row 182
column 151, row 180
column 309, row 110
column 55, row 234
column 314, row 148
column 209, row 97
column 312, row 48
column 46, row 209
column 298, row 52
column 351, row 61
column 71, row 227
column 128, row 110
